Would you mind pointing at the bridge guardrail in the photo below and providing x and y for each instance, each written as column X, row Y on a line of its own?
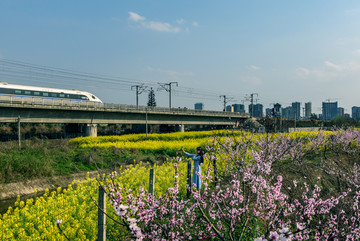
column 106, row 106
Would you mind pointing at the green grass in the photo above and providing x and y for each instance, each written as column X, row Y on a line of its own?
column 45, row 158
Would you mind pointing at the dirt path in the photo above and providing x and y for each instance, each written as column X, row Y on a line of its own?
column 11, row 190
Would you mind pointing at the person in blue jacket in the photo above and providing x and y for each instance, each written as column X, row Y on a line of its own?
column 198, row 160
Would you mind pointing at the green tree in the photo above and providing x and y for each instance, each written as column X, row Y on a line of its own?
column 151, row 98
column 343, row 122
column 313, row 117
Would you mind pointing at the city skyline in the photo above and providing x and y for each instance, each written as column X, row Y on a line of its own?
column 284, row 51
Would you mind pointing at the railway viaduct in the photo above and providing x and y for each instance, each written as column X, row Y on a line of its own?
column 34, row 110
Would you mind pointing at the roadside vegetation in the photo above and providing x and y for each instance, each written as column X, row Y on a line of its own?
column 40, row 158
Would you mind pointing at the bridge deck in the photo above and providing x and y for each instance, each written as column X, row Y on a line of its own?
column 37, row 110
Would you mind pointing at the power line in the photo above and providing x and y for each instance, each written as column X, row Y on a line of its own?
column 167, row 87
column 252, row 103
column 226, row 100
column 139, row 89
column 31, row 68
column 21, row 71
column 11, row 70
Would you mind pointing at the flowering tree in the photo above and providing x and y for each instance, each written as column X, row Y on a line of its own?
column 253, row 201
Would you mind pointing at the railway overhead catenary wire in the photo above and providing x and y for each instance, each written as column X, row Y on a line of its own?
column 31, row 74
column 46, row 72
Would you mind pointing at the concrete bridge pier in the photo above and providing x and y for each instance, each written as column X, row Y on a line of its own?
column 181, row 128
column 90, row 130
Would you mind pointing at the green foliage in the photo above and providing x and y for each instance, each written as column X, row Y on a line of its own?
column 343, row 122
column 151, row 98
column 44, row 158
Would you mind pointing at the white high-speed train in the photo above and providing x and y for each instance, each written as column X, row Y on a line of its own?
column 48, row 93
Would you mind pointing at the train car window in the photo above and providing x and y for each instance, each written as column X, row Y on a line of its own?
column 46, row 94
column 6, row 91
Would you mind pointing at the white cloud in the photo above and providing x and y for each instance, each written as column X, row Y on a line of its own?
column 153, row 25
column 160, row 27
column 318, row 75
column 332, row 65
column 302, row 71
column 180, row 21
column 136, row 17
column 254, row 67
column 331, row 72
column 195, row 24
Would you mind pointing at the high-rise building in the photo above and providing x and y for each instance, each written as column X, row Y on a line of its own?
column 199, row 106
column 287, row 112
column 340, row 111
column 329, row 110
column 268, row 112
column 307, row 110
column 229, row 108
column 239, row 108
column 258, row 110
column 277, row 108
column 295, row 106
column 355, row 112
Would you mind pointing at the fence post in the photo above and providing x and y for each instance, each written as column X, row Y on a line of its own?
column 101, row 215
column 152, row 181
column 146, row 122
column 19, row 133
column 215, row 173
column 176, row 178
column 188, row 192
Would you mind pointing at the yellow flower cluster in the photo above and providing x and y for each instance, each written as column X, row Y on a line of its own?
column 167, row 144
column 171, row 142
column 176, row 136
column 35, row 219
column 138, row 176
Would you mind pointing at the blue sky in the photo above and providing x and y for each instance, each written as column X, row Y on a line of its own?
column 283, row 50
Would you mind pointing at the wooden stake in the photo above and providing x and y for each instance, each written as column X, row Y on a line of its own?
column 152, row 181
column 101, row 215
column 19, row 133
column 215, row 174
column 188, row 192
